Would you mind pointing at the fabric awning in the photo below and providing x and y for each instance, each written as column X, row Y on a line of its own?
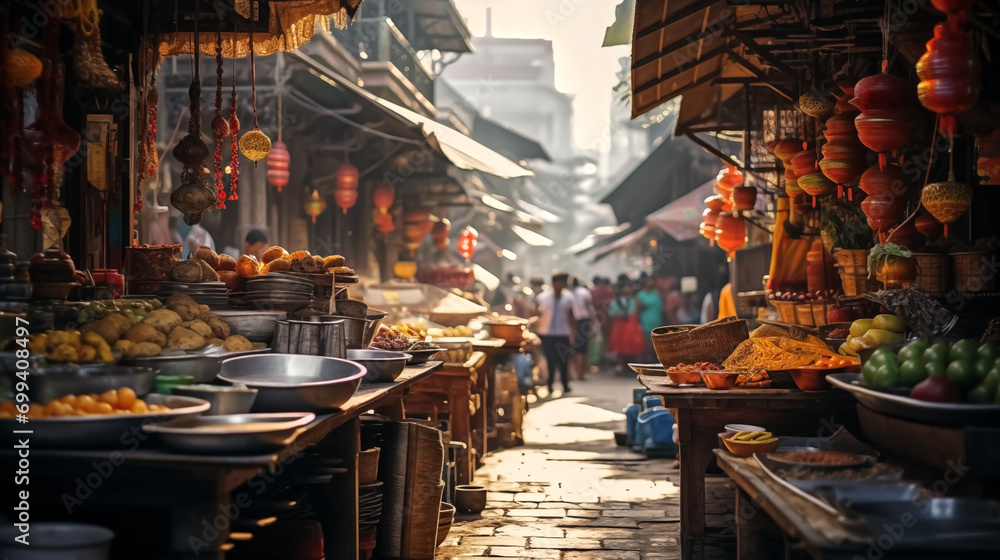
column 623, row 242
column 681, row 218
column 437, row 25
column 679, row 48
column 507, row 142
column 600, row 243
column 620, row 32
column 457, row 148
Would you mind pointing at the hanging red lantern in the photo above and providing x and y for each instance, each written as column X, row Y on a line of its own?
column 383, row 222
column 950, row 74
column 314, row 205
column 885, row 120
column 953, row 6
column 929, row 226
column 415, row 227
column 440, row 233
column 727, row 179
column 467, row 242
column 345, row 198
column 785, row 148
column 804, row 162
column 731, row 233
column 844, row 96
column 383, row 196
column 888, row 180
column 744, row 198
column 884, row 211
column 882, row 91
column 815, row 185
column 347, row 177
column 278, row 160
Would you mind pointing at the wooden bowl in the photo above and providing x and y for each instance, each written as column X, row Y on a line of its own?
column 813, row 379
column 684, row 377
column 747, row 448
column 719, row 380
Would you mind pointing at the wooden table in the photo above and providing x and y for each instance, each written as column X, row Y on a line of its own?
column 763, row 502
column 197, row 490
column 702, row 414
column 459, row 387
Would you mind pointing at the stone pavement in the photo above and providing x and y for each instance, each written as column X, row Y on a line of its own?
column 571, row 494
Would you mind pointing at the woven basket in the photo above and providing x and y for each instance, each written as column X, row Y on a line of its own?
column 933, row 273
column 858, row 284
column 848, row 258
column 819, row 312
column 368, row 466
column 974, row 271
column 786, row 311
column 711, row 342
column 804, row 314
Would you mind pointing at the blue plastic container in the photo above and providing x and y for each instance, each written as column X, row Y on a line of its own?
column 655, row 430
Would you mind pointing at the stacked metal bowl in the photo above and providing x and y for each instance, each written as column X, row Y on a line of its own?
column 278, row 292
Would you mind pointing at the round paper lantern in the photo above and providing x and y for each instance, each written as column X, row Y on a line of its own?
column 383, row 196
column 277, row 164
column 405, row 269
column 929, row 226
column 383, row 222
column 727, row 179
column 347, row 177
column 814, row 105
column 731, row 233
column 416, row 225
column 467, row 242
column 314, row 205
column 950, row 74
column 345, row 198
column 440, row 233
column 804, row 162
column 255, row 145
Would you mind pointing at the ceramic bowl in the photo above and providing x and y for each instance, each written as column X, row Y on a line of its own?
column 747, row 448
column 470, row 499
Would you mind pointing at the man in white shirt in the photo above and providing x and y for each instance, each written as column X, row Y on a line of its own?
column 583, row 310
column 557, row 328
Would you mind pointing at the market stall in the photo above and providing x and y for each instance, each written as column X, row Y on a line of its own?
column 864, row 171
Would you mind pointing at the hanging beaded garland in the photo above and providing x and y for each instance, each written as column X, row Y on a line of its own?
column 220, row 127
column 254, row 144
column 234, row 131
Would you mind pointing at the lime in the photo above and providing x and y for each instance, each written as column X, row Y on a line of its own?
column 992, row 381
column 935, row 369
column 983, row 366
column 988, row 351
column 978, row 395
column 911, row 372
column 914, row 350
column 964, row 349
column 868, row 373
column 886, row 376
column 885, row 356
column 962, row 373
column 937, row 352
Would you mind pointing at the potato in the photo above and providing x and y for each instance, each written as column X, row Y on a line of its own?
column 226, row 262
column 208, row 273
column 200, row 327
column 144, row 350
column 258, row 345
column 237, row 343
column 216, row 341
column 110, row 328
column 141, row 332
column 206, row 254
column 124, row 345
column 203, row 309
column 220, row 329
column 86, row 353
column 232, row 280
column 163, row 320
column 184, row 339
column 183, row 305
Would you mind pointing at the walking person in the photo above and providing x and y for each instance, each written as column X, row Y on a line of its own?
column 557, row 328
column 626, row 340
column 650, row 315
column 583, row 310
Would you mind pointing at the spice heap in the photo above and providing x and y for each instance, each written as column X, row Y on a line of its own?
column 775, row 353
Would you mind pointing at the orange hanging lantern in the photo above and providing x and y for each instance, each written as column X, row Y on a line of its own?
column 383, row 222
column 415, row 227
column 731, row 233
column 383, row 197
column 345, row 198
column 278, row 160
column 347, row 177
column 467, row 242
column 440, row 233
column 314, row 205
column 728, row 178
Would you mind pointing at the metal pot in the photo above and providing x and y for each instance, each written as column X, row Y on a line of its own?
column 58, row 541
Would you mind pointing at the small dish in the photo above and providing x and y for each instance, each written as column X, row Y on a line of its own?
column 735, row 428
column 719, row 380
column 684, row 377
column 813, row 380
column 748, row 448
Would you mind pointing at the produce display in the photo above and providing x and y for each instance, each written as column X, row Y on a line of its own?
column 278, row 259
column 866, row 333
column 135, row 310
column 938, row 371
column 73, row 346
column 776, row 353
column 115, row 401
column 452, row 332
column 694, row 368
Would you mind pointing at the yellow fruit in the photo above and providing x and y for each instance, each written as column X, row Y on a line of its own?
column 86, row 403
column 126, row 398
column 860, row 327
column 889, row 323
column 874, row 337
column 110, row 397
column 857, row 344
column 139, row 407
column 104, row 408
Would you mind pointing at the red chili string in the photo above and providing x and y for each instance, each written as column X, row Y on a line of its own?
column 234, row 130
column 219, row 186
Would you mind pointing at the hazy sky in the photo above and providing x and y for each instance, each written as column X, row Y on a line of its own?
column 584, row 69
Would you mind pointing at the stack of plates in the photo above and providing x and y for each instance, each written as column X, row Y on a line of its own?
column 369, row 506
column 212, row 294
column 279, row 292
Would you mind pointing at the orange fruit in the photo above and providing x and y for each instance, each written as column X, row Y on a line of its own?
column 86, row 403
column 139, row 407
column 104, row 408
column 126, row 398
column 109, row 397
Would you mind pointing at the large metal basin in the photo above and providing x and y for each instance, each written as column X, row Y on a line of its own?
column 382, row 366
column 295, row 382
column 51, row 382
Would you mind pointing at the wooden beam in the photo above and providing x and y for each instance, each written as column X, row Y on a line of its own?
column 725, row 158
column 674, row 18
column 722, row 49
column 787, row 94
column 762, row 52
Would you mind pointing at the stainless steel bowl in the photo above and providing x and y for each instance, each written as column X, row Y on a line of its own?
column 232, row 434
column 223, row 399
column 202, row 366
column 51, row 382
column 295, row 382
column 104, row 431
column 256, row 326
column 383, row 366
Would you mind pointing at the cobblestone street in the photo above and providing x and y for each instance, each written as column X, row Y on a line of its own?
column 571, row 494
